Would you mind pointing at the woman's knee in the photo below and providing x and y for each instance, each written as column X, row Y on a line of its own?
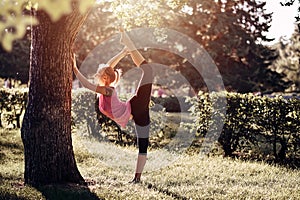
column 142, row 127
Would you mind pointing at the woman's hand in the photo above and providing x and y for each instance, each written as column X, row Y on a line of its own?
column 74, row 63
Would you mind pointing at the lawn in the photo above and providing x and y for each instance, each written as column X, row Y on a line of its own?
column 108, row 169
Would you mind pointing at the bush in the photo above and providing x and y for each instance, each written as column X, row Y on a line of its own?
column 12, row 106
column 85, row 114
column 254, row 126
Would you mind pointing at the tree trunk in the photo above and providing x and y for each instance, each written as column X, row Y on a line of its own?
column 46, row 128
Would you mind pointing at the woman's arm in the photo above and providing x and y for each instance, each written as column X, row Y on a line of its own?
column 116, row 59
column 87, row 84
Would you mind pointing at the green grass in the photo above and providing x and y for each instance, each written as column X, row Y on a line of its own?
column 109, row 168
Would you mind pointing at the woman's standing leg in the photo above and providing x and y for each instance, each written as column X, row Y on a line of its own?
column 141, row 116
column 140, row 105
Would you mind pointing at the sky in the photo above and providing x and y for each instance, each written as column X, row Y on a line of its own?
column 283, row 23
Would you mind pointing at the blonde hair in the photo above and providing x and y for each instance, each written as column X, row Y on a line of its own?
column 113, row 74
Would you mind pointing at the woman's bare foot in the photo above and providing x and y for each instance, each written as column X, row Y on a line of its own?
column 135, row 181
column 126, row 41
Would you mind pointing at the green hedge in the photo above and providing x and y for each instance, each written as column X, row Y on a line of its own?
column 86, row 114
column 254, row 126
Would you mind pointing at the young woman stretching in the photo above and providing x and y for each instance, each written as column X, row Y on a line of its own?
column 136, row 108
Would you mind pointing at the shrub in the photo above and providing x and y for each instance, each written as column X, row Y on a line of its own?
column 254, row 126
column 12, row 106
column 87, row 117
column 86, row 114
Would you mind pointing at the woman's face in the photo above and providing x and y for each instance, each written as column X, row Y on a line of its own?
column 106, row 76
column 105, row 79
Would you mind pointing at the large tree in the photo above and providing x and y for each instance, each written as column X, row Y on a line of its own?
column 46, row 129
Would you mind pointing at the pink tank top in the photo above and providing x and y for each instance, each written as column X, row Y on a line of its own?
column 115, row 109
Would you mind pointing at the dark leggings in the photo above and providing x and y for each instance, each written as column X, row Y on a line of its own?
column 140, row 108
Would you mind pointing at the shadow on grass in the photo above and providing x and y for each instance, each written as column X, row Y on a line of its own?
column 12, row 190
column 8, row 196
column 11, row 147
column 67, row 192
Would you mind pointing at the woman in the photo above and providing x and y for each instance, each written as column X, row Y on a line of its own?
column 136, row 108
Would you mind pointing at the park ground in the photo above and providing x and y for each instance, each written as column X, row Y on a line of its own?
column 189, row 177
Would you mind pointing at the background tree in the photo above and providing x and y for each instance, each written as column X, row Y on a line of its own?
column 288, row 62
column 15, row 64
column 99, row 26
column 231, row 31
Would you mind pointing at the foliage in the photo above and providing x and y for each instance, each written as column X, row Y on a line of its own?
column 87, row 118
column 12, row 106
column 15, row 64
column 288, row 61
column 230, row 31
column 146, row 13
column 255, row 127
column 99, row 25
column 242, row 61
column 15, row 20
column 83, row 110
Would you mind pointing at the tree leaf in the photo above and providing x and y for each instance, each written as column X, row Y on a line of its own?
column 85, row 5
column 55, row 8
column 7, row 41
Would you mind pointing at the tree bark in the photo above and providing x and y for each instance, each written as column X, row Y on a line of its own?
column 46, row 128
